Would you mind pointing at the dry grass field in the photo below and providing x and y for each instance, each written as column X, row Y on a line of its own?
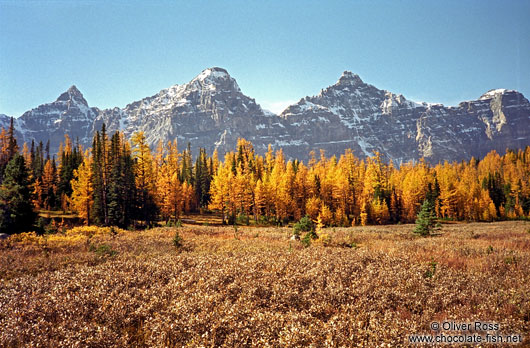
column 369, row 287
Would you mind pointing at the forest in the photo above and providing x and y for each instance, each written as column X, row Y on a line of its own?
column 369, row 280
column 123, row 183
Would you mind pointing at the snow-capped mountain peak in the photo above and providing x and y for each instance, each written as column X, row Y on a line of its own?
column 495, row 92
column 213, row 74
column 215, row 78
column 349, row 79
column 356, row 115
column 72, row 94
column 210, row 111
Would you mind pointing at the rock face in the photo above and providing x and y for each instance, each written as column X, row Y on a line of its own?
column 211, row 112
column 353, row 114
column 69, row 114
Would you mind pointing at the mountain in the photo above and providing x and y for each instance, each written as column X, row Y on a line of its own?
column 353, row 114
column 211, row 112
column 69, row 114
column 5, row 122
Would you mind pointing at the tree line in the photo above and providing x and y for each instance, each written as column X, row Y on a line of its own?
column 123, row 183
column 348, row 191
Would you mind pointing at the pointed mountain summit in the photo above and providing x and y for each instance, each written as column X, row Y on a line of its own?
column 211, row 112
column 499, row 92
column 68, row 114
column 349, row 79
column 213, row 74
column 73, row 94
column 213, row 81
column 354, row 114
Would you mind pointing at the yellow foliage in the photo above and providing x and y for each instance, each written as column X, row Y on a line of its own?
column 26, row 238
column 312, row 207
column 326, row 215
column 364, row 215
column 74, row 236
column 366, row 191
column 324, row 239
column 93, row 230
column 340, row 218
column 82, row 189
column 380, row 214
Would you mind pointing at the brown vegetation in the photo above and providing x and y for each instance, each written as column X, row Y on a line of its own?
column 254, row 287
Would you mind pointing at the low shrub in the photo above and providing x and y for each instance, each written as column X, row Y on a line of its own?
column 324, row 239
column 510, row 259
column 173, row 223
column 432, row 269
column 177, row 240
column 304, row 225
column 242, row 219
column 103, row 250
column 306, row 240
column 94, row 230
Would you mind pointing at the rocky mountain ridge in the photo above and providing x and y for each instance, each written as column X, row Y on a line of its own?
column 212, row 112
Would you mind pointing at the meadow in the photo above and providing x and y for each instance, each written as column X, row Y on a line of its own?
column 368, row 286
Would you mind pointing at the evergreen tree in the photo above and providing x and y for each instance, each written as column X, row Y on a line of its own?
column 128, row 191
column 70, row 160
column 121, row 183
column 47, row 150
column 33, row 156
column 116, row 217
column 426, row 218
column 8, row 147
column 202, row 179
column 16, row 211
column 186, row 172
column 493, row 183
column 99, row 211
column 12, row 146
column 433, row 192
column 395, row 207
column 37, row 160
column 4, row 158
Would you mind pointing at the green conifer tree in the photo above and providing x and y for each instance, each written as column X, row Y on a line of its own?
column 121, row 184
column 202, row 179
column 425, row 221
column 16, row 211
column 99, row 172
column 116, row 213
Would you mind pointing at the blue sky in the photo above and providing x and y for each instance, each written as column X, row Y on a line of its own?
column 117, row 52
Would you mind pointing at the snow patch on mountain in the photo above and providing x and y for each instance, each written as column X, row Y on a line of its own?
column 494, row 92
column 211, row 112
